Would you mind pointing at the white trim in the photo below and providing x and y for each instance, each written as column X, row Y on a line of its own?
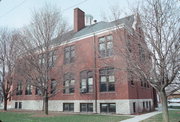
column 123, row 106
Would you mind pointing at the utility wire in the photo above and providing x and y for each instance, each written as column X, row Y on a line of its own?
column 13, row 8
column 75, row 5
column 25, row 1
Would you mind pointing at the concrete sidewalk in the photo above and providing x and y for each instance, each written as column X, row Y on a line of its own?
column 141, row 117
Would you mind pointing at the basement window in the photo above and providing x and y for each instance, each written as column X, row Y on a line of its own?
column 108, row 107
column 143, row 105
column 20, row 105
column 147, row 104
column 16, row 105
column 86, row 107
column 68, row 106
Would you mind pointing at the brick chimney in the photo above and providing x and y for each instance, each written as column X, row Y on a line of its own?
column 79, row 19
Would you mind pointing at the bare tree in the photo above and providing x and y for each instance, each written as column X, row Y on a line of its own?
column 152, row 49
column 160, row 23
column 8, row 57
column 39, row 55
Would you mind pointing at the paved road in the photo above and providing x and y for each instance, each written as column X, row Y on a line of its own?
column 141, row 117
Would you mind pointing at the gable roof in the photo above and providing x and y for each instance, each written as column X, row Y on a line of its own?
column 128, row 21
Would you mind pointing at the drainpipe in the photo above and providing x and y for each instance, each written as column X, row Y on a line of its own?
column 95, row 72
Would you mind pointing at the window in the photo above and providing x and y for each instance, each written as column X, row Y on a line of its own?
column 132, row 82
column 146, row 104
column 20, row 105
column 107, row 79
column 134, row 107
column 86, row 107
column 144, row 83
column 86, row 84
column 141, row 82
column 108, row 107
column 19, row 88
column 143, row 105
column 147, row 85
column 28, row 88
column 53, row 86
column 68, row 106
column 69, row 54
column 37, row 91
column 69, row 83
column 131, row 79
column 129, row 43
column 52, row 58
column 106, row 46
column 141, row 53
column 16, row 105
column 41, row 59
column 150, row 105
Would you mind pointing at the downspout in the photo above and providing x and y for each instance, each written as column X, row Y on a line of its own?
column 95, row 72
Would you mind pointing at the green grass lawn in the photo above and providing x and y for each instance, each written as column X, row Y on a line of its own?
column 174, row 116
column 20, row 117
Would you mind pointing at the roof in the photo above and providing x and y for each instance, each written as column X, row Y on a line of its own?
column 128, row 21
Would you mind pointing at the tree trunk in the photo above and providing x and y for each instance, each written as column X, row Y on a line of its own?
column 165, row 114
column 46, row 103
column 5, row 104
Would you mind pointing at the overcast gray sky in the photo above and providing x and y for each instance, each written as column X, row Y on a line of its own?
column 17, row 13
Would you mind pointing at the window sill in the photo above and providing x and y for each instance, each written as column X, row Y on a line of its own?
column 85, row 112
column 38, row 95
column 108, row 113
column 106, row 57
column 28, row 94
column 71, row 63
column 68, row 111
column 68, row 94
column 87, row 93
column 108, row 92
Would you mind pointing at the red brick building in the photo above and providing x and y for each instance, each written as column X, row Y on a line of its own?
column 92, row 78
